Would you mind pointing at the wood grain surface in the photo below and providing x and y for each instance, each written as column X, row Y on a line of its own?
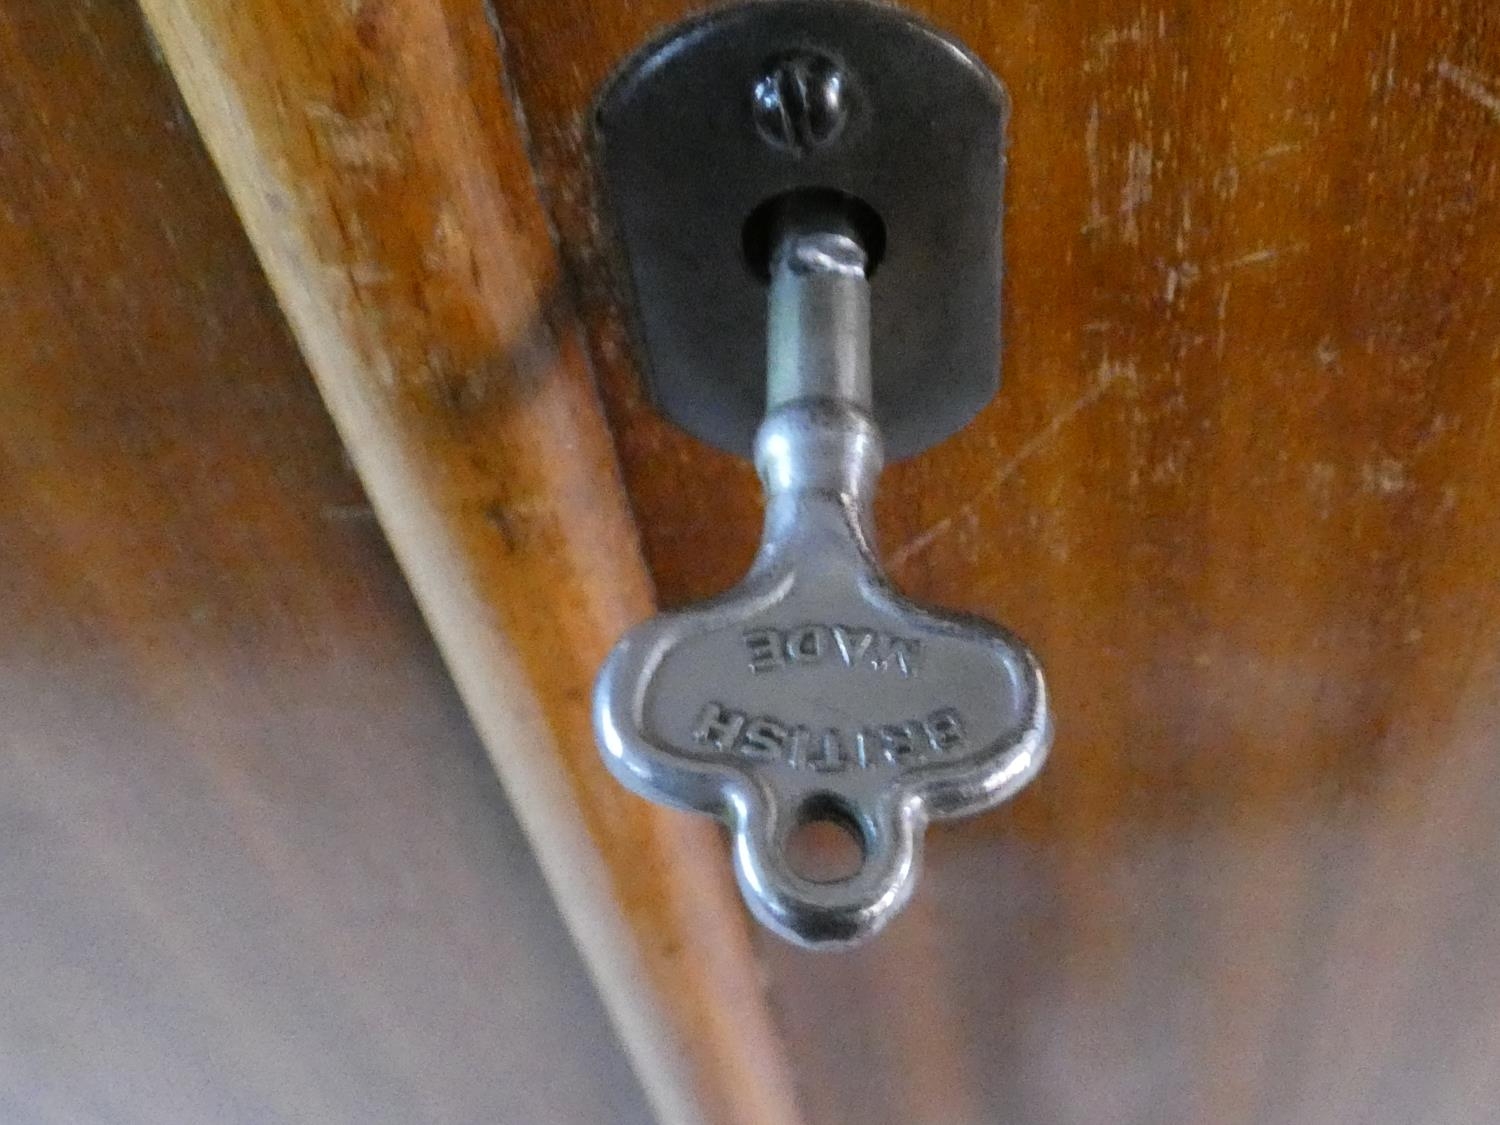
column 254, row 863
column 1239, row 491
column 381, row 176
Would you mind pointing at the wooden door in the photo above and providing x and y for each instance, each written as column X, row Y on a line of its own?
column 1239, row 492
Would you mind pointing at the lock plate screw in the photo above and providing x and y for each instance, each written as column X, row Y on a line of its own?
column 801, row 103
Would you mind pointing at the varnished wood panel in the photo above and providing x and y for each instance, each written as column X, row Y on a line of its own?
column 377, row 164
column 1239, row 490
column 254, row 863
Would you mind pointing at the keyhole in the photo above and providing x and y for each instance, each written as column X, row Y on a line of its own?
column 826, row 844
column 809, row 207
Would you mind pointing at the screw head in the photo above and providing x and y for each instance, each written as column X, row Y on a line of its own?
column 801, row 102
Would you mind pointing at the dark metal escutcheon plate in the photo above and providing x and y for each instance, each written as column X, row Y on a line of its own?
column 684, row 165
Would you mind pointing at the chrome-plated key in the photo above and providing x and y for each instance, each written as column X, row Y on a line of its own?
column 812, row 691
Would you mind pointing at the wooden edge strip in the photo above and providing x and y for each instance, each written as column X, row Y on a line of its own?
column 382, row 178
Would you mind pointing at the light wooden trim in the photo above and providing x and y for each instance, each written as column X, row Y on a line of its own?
column 381, row 175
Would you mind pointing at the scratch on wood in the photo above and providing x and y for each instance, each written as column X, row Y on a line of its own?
column 1091, row 156
column 1114, row 36
column 1327, row 352
column 363, row 143
column 1137, row 189
column 1390, row 62
column 1110, row 373
column 1179, row 277
column 1221, row 339
column 1266, row 254
column 1271, row 153
column 1387, row 476
column 1256, row 257
column 447, row 249
column 1471, row 84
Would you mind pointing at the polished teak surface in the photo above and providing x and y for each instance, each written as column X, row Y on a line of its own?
column 1238, row 492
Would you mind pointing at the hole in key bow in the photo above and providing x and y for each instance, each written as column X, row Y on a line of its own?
column 826, row 844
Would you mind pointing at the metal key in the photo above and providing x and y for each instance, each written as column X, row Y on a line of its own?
column 812, row 691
